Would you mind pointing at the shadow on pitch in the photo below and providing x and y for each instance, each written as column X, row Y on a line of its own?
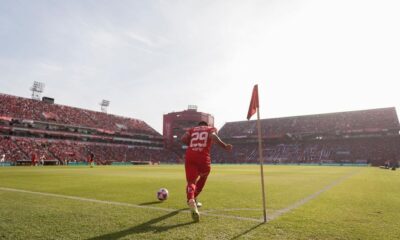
column 150, row 203
column 246, row 232
column 148, row 226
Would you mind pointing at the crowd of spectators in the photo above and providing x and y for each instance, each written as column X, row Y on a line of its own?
column 10, row 150
column 288, row 142
column 373, row 150
column 34, row 147
column 17, row 148
column 29, row 109
column 123, row 153
column 365, row 120
column 67, row 150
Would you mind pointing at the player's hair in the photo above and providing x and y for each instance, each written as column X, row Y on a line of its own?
column 203, row 123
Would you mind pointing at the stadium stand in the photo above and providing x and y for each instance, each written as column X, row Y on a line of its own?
column 10, row 150
column 62, row 134
column 28, row 109
column 367, row 136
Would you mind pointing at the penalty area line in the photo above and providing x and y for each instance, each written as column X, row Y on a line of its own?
column 123, row 204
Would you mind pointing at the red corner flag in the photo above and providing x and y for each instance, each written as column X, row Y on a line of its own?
column 254, row 102
column 255, row 108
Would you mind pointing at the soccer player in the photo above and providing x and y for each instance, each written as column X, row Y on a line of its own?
column 33, row 159
column 198, row 161
column 91, row 159
column 3, row 157
column 42, row 159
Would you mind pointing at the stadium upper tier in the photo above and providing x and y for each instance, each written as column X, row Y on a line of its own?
column 28, row 109
column 383, row 119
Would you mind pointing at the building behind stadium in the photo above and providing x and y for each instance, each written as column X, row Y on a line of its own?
column 175, row 124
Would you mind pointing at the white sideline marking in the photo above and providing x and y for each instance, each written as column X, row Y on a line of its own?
column 124, row 204
column 270, row 217
column 232, row 210
column 303, row 201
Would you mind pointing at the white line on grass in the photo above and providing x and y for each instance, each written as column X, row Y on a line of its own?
column 124, row 204
column 232, row 210
column 271, row 217
column 303, row 201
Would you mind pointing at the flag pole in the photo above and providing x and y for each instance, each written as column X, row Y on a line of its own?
column 261, row 163
column 253, row 108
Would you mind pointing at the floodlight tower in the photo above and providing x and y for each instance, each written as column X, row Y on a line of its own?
column 37, row 88
column 104, row 105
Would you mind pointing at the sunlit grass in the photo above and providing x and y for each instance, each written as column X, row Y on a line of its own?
column 362, row 205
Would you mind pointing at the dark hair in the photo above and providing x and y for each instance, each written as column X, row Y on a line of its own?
column 203, row 123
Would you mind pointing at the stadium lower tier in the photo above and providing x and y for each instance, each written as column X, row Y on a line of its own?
column 18, row 148
column 374, row 150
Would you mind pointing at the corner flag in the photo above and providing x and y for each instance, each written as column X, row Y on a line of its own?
column 253, row 103
column 253, row 108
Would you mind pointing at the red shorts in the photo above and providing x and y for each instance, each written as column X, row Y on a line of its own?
column 196, row 166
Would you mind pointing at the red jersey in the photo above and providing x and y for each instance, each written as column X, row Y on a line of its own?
column 33, row 157
column 200, row 141
column 90, row 157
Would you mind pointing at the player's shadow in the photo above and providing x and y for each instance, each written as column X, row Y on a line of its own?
column 246, row 232
column 148, row 226
column 150, row 203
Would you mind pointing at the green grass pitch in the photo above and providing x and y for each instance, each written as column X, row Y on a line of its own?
column 107, row 202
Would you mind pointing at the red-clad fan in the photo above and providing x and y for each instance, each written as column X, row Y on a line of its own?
column 33, row 159
column 198, row 161
column 91, row 159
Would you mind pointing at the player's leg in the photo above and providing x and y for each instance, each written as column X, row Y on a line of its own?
column 199, row 187
column 205, row 171
column 200, row 183
column 191, row 176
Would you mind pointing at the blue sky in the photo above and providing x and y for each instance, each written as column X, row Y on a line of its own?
column 153, row 57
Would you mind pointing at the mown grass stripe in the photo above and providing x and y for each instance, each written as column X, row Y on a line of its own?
column 124, row 204
column 303, row 201
column 270, row 217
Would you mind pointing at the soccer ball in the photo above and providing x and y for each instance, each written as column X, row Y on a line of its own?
column 162, row 194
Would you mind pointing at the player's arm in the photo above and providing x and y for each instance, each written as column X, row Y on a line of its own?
column 221, row 143
column 185, row 138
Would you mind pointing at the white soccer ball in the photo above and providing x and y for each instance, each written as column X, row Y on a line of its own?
column 162, row 194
